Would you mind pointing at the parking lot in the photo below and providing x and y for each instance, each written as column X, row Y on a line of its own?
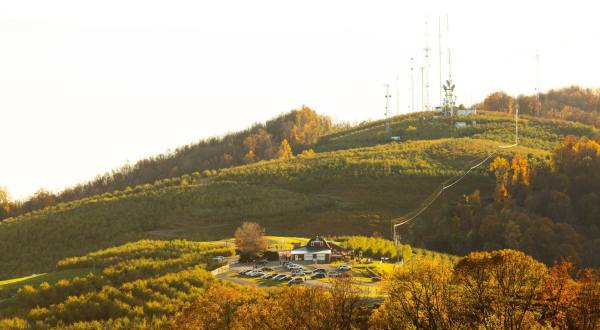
column 277, row 274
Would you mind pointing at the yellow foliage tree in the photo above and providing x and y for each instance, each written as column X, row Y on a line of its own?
column 308, row 153
column 520, row 171
column 285, row 150
column 500, row 167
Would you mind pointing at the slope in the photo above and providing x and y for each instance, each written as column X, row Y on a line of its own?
column 353, row 191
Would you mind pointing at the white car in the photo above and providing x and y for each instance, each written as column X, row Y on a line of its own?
column 344, row 268
column 298, row 272
column 219, row 258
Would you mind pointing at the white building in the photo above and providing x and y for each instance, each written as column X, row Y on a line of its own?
column 317, row 250
column 466, row 112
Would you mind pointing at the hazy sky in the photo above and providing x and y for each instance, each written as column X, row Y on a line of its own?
column 86, row 86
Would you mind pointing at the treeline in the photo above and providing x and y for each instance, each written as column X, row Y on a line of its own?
column 548, row 209
column 136, row 285
column 289, row 133
column 570, row 103
column 486, row 290
column 377, row 247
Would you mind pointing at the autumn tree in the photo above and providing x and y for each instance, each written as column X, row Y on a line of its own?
column 498, row 289
column 285, row 151
column 498, row 101
column 250, row 240
column 214, row 309
column 584, row 313
column 4, row 203
column 260, row 144
column 419, row 296
column 307, row 153
column 500, row 168
column 558, row 293
column 338, row 307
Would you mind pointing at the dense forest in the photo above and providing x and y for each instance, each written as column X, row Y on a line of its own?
column 288, row 134
column 166, row 285
column 549, row 209
column 571, row 103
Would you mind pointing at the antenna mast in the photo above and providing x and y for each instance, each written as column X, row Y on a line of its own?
column 387, row 109
column 440, row 55
column 397, row 94
column 426, row 70
column 539, row 103
column 422, row 88
column 412, row 85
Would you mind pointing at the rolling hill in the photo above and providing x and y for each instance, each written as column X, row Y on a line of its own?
column 353, row 189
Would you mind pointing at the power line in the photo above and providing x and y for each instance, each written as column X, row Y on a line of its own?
column 449, row 184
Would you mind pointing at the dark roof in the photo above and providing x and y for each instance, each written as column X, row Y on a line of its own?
column 317, row 244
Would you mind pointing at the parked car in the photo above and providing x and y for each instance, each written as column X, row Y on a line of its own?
column 318, row 275
column 298, row 272
column 376, row 278
column 285, row 278
column 219, row 258
column 267, row 276
column 245, row 271
column 319, row 270
column 257, row 274
column 278, row 277
column 344, row 268
column 296, row 280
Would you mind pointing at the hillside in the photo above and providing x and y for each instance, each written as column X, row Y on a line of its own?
column 296, row 129
column 132, row 284
column 353, row 191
